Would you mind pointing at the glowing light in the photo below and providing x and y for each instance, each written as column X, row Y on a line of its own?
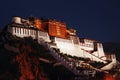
column 109, row 77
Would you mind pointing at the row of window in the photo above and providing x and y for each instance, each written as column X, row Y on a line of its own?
column 24, row 31
column 86, row 45
column 28, row 31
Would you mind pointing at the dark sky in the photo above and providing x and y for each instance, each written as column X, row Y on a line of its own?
column 94, row 19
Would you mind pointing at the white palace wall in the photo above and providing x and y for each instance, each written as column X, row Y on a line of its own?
column 66, row 46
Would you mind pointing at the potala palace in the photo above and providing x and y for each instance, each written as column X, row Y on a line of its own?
column 63, row 43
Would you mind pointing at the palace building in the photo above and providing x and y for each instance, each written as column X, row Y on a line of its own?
column 65, row 39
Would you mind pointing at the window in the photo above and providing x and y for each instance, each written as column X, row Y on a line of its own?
column 20, row 30
column 23, row 30
column 31, row 32
column 17, row 30
column 100, row 45
column 28, row 32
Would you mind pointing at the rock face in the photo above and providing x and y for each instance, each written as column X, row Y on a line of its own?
column 19, row 59
column 29, row 65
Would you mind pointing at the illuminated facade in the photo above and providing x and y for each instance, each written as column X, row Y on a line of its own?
column 66, row 40
column 56, row 28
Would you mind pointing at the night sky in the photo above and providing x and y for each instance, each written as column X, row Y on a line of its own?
column 94, row 19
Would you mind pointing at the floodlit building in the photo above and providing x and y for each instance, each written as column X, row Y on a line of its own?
column 55, row 32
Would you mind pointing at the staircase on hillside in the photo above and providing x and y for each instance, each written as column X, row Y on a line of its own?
column 71, row 65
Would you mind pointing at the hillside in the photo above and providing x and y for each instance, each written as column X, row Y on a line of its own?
column 24, row 58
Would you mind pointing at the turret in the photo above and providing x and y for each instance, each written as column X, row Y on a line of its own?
column 16, row 20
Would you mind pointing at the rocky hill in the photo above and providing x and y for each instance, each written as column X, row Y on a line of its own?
column 25, row 59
